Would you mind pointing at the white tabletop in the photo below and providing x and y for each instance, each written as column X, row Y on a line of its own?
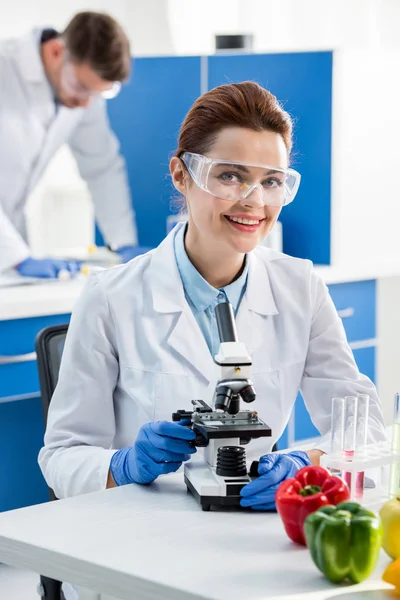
column 156, row 543
column 39, row 299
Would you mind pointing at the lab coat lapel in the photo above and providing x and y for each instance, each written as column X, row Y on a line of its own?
column 258, row 304
column 185, row 337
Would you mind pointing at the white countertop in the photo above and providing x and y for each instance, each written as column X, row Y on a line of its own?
column 39, row 299
column 154, row 542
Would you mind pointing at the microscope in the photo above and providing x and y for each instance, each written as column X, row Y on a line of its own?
column 223, row 429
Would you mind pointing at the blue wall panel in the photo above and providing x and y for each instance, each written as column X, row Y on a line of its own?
column 303, row 83
column 146, row 117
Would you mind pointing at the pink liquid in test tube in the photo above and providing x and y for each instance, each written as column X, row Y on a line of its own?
column 350, row 425
column 357, row 482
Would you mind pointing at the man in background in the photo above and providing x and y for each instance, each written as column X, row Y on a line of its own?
column 53, row 88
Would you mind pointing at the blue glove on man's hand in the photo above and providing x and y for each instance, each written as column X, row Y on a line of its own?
column 47, row 267
column 273, row 469
column 160, row 448
column 128, row 252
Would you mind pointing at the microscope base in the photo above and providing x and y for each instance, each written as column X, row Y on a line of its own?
column 210, row 489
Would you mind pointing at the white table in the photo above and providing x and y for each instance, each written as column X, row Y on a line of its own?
column 155, row 543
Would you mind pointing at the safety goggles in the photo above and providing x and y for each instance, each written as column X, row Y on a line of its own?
column 72, row 86
column 233, row 181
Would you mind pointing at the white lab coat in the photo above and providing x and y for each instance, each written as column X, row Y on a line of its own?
column 135, row 353
column 31, row 131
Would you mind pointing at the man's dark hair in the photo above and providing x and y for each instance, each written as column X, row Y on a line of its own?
column 99, row 41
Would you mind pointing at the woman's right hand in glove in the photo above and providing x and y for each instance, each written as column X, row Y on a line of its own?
column 160, row 447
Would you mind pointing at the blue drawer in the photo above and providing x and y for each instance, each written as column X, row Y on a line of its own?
column 17, row 337
column 356, row 303
column 304, row 427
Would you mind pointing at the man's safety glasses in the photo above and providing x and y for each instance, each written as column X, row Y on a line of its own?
column 71, row 85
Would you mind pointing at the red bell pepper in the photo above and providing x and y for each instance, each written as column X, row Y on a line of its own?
column 298, row 497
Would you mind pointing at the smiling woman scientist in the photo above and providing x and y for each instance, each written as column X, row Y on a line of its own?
column 143, row 335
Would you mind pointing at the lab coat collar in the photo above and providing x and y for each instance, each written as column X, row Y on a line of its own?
column 29, row 59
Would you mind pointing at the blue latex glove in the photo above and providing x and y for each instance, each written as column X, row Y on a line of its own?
column 47, row 267
column 128, row 252
column 159, row 448
column 273, row 469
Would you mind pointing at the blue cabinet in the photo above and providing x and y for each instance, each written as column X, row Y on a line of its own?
column 21, row 420
column 356, row 304
column 17, row 339
column 21, row 437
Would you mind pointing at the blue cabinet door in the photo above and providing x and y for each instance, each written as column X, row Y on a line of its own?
column 146, row 117
column 302, row 82
column 17, row 337
column 356, row 304
column 21, row 437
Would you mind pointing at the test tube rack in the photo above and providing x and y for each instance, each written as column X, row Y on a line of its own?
column 374, row 457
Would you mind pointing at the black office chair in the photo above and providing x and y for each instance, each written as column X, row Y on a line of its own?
column 49, row 347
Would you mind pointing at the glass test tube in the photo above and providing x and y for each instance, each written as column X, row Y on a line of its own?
column 394, row 480
column 337, row 425
column 350, row 436
column 361, row 438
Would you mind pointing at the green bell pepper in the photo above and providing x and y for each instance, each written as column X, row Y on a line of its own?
column 344, row 541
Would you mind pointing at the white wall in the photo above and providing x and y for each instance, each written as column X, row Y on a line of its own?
column 388, row 331
column 189, row 26
column 19, row 15
column 146, row 22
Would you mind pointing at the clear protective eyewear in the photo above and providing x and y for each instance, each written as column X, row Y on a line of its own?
column 230, row 180
column 71, row 85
